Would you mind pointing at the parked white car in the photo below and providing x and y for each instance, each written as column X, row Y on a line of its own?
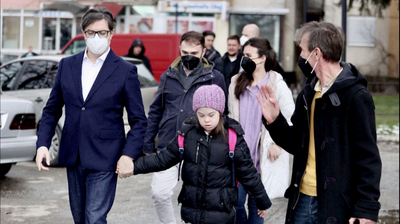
column 32, row 78
column 18, row 132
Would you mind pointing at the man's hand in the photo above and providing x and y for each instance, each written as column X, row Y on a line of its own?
column 42, row 153
column 124, row 167
column 268, row 103
column 262, row 213
column 361, row 220
column 274, row 152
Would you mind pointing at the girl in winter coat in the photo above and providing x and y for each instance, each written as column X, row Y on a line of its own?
column 270, row 160
column 209, row 192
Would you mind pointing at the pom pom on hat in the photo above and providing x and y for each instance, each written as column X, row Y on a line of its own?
column 209, row 96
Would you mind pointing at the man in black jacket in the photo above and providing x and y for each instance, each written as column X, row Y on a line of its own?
column 229, row 64
column 336, row 167
column 137, row 50
column 211, row 54
column 171, row 106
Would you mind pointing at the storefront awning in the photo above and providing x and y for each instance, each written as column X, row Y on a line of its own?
column 113, row 7
column 73, row 7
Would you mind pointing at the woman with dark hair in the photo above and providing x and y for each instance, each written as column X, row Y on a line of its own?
column 258, row 60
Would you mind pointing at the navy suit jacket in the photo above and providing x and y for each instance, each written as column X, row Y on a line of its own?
column 94, row 128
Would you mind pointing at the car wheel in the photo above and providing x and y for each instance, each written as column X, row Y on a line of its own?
column 4, row 168
column 55, row 147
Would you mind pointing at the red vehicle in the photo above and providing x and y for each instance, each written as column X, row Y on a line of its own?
column 161, row 49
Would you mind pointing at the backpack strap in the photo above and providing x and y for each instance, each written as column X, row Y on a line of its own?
column 232, row 139
column 181, row 140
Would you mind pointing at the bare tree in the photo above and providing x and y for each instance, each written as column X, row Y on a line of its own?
column 364, row 9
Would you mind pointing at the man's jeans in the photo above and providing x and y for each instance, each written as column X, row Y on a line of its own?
column 91, row 194
column 306, row 210
column 241, row 216
column 162, row 186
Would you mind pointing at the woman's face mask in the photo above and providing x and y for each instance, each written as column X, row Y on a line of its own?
column 248, row 66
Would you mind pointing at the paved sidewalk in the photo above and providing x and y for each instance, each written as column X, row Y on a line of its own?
column 29, row 196
column 140, row 203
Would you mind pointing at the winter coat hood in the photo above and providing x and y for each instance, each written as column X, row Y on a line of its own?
column 348, row 77
column 136, row 42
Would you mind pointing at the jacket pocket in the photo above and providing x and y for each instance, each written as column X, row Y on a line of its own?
column 225, row 200
column 111, row 134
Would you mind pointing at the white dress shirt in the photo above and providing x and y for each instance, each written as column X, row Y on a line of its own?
column 90, row 71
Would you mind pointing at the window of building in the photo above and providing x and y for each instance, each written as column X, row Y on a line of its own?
column 197, row 23
column 49, row 34
column 31, row 33
column 65, row 31
column 270, row 27
column 361, row 31
column 11, row 32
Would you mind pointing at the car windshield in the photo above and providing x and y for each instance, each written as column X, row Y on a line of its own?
column 76, row 47
column 146, row 79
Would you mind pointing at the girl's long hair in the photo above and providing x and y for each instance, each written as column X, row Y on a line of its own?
column 263, row 48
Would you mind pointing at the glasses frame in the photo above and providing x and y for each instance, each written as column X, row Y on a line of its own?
column 97, row 32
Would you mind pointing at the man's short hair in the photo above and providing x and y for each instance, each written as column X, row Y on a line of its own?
column 193, row 37
column 234, row 37
column 325, row 36
column 95, row 14
column 208, row 33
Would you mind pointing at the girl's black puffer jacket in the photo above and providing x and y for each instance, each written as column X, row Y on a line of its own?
column 208, row 195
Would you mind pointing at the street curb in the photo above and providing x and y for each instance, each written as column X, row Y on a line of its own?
column 386, row 138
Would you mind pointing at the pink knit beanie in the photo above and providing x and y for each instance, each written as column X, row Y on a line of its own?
column 209, row 96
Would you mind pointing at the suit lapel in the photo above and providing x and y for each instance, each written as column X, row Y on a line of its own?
column 109, row 66
column 76, row 68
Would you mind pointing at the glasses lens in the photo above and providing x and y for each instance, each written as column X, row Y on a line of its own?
column 89, row 33
column 103, row 33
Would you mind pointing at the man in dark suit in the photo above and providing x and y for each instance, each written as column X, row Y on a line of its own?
column 94, row 86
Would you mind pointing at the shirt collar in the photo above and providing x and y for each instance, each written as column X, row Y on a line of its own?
column 102, row 57
column 325, row 88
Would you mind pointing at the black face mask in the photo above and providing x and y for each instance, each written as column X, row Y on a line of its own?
column 248, row 66
column 305, row 68
column 190, row 62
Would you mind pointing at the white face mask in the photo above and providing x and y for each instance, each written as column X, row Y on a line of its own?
column 243, row 40
column 97, row 45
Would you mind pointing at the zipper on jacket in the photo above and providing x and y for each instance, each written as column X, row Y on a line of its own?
column 298, row 195
column 308, row 113
column 197, row 151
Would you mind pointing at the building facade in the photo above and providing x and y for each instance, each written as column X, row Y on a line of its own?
column 47, row 25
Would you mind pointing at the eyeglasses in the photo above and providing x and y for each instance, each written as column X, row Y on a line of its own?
column 100, row 33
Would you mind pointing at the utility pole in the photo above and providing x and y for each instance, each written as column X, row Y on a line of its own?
column 176, row 18
column 305, row 11
column 344, row 25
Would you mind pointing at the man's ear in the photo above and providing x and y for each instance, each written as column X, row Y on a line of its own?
column 83, row 32
column 318, row 53
column 204, row 52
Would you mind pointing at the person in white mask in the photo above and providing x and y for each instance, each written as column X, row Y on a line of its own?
column 249, row 31
column 93, row 87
